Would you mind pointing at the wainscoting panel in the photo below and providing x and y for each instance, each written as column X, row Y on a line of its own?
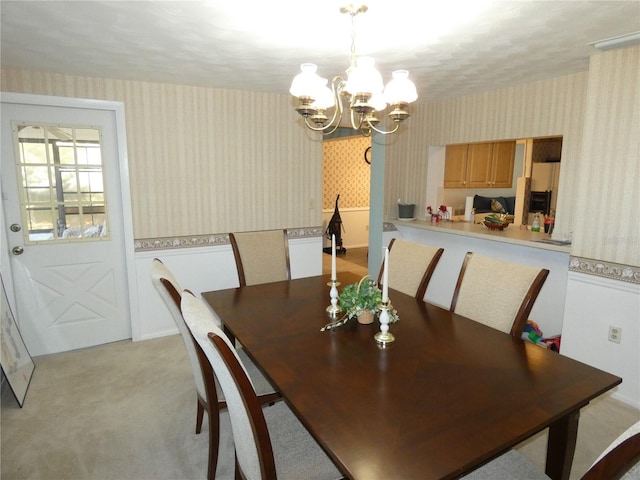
column 205, row 268
column 593, row 305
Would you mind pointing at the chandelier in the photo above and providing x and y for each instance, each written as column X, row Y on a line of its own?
column 363, row 90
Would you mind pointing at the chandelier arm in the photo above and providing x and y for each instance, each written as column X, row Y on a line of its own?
column 356, row 125
column 321, row 129
column 383, row 132
column 337, row 83
column 311, row 127
column 333, row 129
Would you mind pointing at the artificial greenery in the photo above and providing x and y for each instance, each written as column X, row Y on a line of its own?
column 356, row 298
column 360, row 297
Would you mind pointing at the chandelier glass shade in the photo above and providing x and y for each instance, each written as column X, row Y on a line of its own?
column 363, row 94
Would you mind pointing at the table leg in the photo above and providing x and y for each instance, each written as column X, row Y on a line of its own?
column 228, row 333
column 561, row 446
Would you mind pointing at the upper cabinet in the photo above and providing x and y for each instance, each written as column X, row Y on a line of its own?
column 502, row 161
column 479, row 165
column 455, row 166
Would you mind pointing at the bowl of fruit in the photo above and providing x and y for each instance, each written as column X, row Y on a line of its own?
column 495, row 222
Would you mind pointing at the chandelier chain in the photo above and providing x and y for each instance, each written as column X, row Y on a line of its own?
column 352, row 57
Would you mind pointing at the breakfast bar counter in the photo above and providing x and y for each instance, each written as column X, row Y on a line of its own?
column 512, row 234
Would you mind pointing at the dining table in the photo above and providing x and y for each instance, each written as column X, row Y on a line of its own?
column 446, row 396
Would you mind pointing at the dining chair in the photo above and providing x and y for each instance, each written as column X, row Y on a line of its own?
column 261, row 257
column 497, row 293
column 411, row 266
column 207, row 401
column 620, row 460
column 269, row 442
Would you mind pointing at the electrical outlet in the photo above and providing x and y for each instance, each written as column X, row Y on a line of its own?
column 615, row 334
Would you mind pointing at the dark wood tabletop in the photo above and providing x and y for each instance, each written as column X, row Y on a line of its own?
column 447, row 396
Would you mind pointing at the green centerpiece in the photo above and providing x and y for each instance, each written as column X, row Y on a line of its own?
column 360, row 300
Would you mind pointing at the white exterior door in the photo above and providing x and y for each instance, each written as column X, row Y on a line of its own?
column 64, row 225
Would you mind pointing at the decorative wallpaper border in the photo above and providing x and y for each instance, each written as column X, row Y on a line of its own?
column 169, row 243
column 598, row 268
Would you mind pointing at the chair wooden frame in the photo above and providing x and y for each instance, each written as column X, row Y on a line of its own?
column 428, row 273
column 617, row 461
column 238, row 257
column 206, row 404
column 522, row 315
column 254, row 409
column 613, row 465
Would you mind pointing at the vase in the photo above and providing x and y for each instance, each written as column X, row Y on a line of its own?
column 365, row 317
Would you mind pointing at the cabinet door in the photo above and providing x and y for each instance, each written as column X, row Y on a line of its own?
column 455, row 166
column 503, row 158
column 479, row 165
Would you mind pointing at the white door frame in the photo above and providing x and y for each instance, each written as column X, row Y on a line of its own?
column 123, row 161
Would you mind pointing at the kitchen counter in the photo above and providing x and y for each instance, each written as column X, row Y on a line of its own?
column 512, row 234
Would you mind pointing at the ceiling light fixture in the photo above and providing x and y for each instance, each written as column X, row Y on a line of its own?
column 363, row 89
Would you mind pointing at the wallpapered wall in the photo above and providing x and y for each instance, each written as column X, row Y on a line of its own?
column 194, row 171
column 592, row 163
column 610, row 187
column 345, row 172
column 204, row 160
column 545, row 108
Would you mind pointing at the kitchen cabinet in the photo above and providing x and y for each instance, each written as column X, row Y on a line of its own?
column 455, row 166
column 479, row 165
column 502, row 160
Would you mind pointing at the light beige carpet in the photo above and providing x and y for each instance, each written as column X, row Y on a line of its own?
column 119, row 411
column 127, row 411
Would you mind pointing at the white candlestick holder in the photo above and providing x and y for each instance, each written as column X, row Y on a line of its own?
column 334, row 309
column 384, row 337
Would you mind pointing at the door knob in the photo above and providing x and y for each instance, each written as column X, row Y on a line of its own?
column 15, row 227
column 17, row 250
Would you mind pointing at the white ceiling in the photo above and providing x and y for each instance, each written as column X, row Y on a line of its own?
column 258, row 45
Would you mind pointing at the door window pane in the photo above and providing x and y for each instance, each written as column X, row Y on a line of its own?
column 62, row 184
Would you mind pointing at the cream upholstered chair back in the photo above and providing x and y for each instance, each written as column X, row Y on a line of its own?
column 497, row 293
column 244, row 424
column 159, row 271
column 261, row 257
column 411, row 266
